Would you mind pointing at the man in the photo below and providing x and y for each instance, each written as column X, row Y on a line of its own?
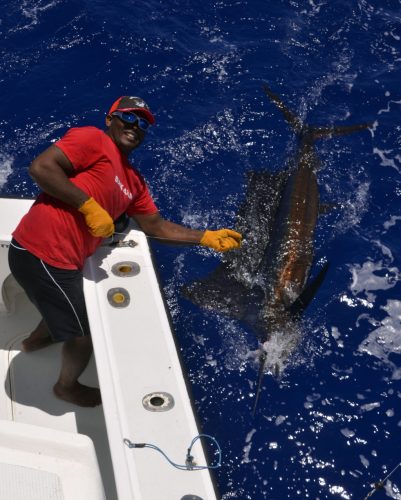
column 87, row 183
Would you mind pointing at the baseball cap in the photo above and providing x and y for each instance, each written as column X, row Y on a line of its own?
column 131, row 103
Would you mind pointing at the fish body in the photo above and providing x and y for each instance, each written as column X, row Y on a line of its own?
column 266, row 284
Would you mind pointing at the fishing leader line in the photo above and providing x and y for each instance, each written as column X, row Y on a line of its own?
column 188, row 243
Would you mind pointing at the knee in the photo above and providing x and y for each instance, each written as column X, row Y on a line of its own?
column 80, row 342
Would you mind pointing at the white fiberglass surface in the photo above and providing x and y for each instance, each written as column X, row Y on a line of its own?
column 27, row 395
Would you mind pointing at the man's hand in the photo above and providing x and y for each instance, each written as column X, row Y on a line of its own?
column 221, row 240
column 99, row 222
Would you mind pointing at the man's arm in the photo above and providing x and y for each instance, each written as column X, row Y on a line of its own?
column 154, row 225
column 50, row 170
column 220, row 240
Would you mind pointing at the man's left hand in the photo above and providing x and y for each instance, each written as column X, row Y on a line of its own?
column 221, row 240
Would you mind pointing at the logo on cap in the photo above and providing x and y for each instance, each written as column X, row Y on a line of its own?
column 138, row 102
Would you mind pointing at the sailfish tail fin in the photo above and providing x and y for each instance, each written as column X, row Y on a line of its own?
column 290, row 117
column 323, row 132
column 308, row 132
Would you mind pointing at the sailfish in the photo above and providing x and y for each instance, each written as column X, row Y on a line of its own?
column 267, row 283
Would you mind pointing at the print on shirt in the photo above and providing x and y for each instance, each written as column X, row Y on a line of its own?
column 123, row 189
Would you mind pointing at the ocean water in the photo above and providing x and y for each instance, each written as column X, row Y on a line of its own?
column 330, row 426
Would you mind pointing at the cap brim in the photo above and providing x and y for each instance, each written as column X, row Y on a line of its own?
column 145, row 113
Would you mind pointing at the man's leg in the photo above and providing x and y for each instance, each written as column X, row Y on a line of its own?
column 58, row 296
column 75, row 358
column 39, row 338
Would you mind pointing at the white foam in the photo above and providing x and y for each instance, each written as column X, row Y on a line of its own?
column 32, row 10
column 392, row 222
column 386, row 161
column 235, row 345
column 316, row 6
column 354, row 207
column 6, row 164
column 250, row 435
column 392, row 490
column 280, row 347
column 348, row 433
column 247, row 447
column 192, row 147
column 388, row 108
column 365, row 278
column 386, row 339
column 370, row 406
column 385, row 250
column 335, row 332
column 280, row 419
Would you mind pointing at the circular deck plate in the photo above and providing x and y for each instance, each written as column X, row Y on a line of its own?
column 118, row 297
column 158, row 401
column 126, row 269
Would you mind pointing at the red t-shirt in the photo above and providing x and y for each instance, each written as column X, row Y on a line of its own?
column 56, row 232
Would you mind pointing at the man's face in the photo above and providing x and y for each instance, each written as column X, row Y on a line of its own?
column 126, row 136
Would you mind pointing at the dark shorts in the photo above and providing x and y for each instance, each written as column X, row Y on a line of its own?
column 57, row 293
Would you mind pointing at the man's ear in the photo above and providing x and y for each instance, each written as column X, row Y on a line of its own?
column 108, row 120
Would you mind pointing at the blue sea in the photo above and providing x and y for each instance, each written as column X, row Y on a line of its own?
column 330, row 426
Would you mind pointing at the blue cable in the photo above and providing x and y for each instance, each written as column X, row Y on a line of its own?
column 189, row 465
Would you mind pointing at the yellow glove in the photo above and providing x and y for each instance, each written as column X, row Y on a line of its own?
column 221, row 240
column 97, row 219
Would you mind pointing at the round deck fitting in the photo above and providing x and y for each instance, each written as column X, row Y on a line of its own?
column 191, row 497
column 118, row 297
column 158, row 401
column 126, row 269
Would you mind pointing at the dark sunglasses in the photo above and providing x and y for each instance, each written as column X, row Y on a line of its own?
column 132, row 119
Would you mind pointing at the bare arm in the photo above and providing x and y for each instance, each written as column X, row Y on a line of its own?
column 50, row 170
column 155, row 225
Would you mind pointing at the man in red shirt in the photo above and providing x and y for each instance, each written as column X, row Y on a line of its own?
column 87, row 182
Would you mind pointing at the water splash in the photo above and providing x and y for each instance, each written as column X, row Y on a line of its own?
column 6, row 166
column 32, row 11
column 386, row 340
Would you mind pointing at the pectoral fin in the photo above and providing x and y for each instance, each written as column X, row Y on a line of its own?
column 218, row 292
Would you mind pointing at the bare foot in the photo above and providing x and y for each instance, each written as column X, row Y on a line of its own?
column 38, row 339
column 78, row 394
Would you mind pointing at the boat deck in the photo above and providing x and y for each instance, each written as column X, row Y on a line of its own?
column 28, row 381
column 144, row 395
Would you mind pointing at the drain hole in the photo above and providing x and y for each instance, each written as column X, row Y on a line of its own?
column 118, row 297
column 125, row 269
column 156, row 401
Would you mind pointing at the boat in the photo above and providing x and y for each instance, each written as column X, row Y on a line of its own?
column 143, row 442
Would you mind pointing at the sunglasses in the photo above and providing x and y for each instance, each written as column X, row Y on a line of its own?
column 132, row 119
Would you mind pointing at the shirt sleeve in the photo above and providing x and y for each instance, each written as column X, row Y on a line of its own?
column 143, row 203
column 82, row 146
